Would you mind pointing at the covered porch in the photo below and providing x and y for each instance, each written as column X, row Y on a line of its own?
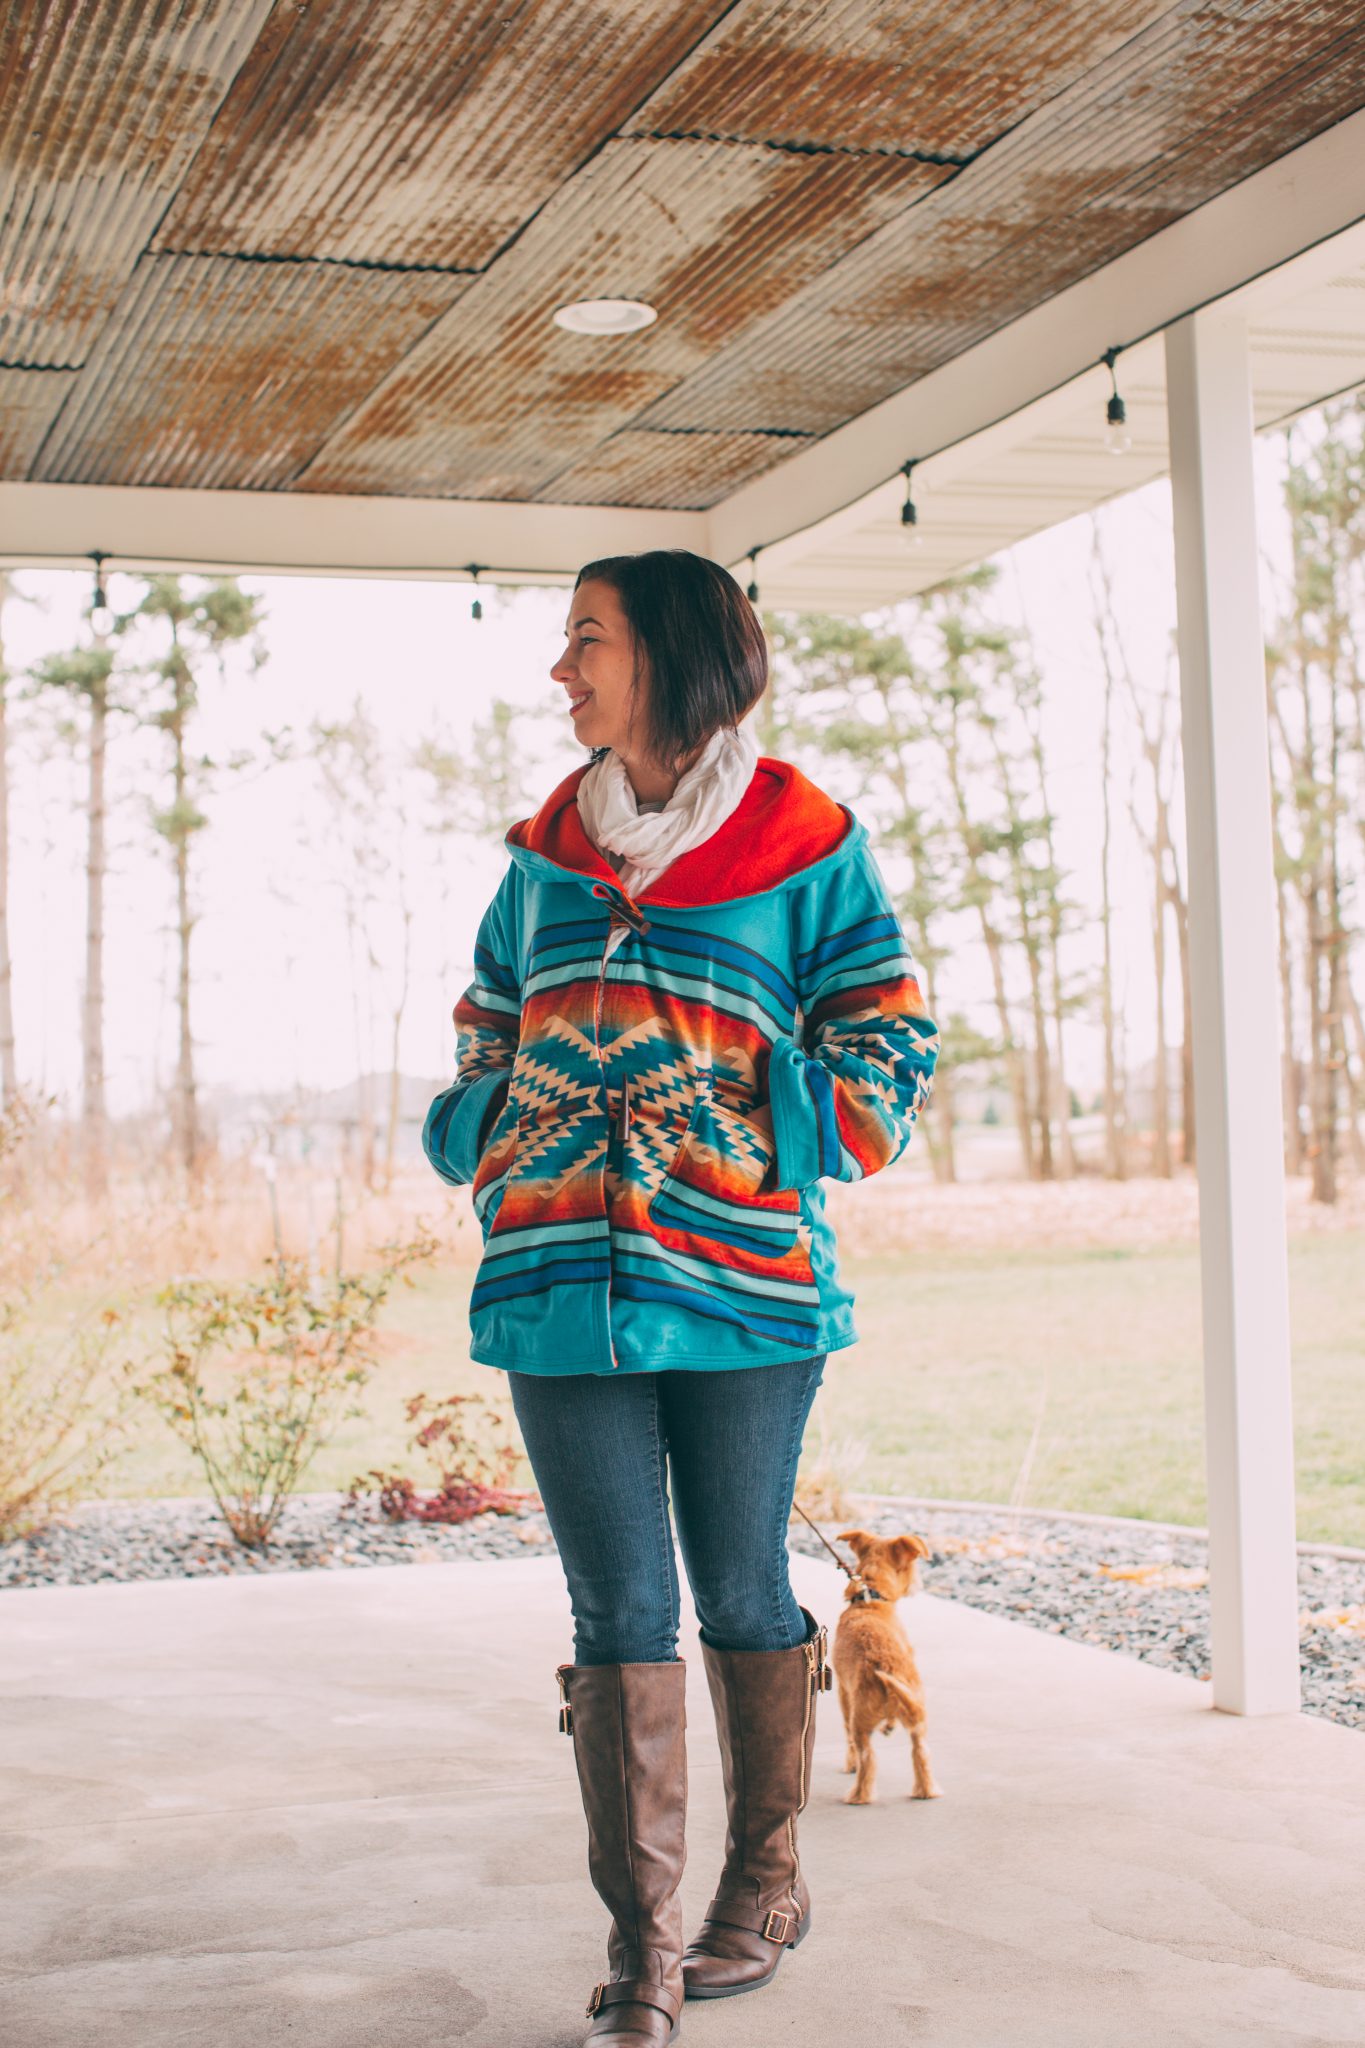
column 275, row 300
column 331, row 1809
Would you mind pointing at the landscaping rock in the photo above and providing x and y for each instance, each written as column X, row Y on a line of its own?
column 1117, row 1585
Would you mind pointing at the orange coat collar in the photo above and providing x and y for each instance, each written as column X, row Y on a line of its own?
column 782, row 824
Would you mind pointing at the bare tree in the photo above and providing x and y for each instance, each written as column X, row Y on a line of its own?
column 9, row 1074
column 196, row 628
column 1115, row 1111
column 85, row 675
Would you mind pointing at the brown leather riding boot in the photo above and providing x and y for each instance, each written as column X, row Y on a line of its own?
column 765, row 1717
column 627, row 1723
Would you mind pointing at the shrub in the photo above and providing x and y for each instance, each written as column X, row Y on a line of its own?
column 64, row 1403
column 471, row 1442
column 262, row 1372
column 64, row 1396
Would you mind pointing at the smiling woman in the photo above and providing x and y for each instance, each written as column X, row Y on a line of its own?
column 693, row 1002
column 661, row 651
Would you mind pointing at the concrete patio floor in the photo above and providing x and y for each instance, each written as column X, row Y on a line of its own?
column 333, row 1810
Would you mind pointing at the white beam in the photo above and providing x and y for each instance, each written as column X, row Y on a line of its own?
column 55, row 525
column 1248, row 1415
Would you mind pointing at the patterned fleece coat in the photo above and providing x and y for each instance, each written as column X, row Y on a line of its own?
column 649, row 1092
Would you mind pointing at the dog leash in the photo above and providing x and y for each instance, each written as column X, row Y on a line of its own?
column 865, row 1592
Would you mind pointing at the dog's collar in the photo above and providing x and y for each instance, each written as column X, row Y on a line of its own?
column 865, row 1593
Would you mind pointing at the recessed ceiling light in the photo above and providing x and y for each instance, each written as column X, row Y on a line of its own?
column 605, row 316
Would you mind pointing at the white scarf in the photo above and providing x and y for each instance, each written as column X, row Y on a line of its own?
column 650, row 841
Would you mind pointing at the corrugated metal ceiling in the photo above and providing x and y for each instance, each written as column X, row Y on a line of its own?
column 102, row 108
column 708, row 233
column 258, row 247
column 417, row 131
column 896, row 75
column 227, row 375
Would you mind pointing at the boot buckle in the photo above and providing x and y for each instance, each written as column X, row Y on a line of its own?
column 777, row 1926
column 595, row 2002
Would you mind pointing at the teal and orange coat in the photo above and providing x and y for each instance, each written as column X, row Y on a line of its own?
column 649, row 1091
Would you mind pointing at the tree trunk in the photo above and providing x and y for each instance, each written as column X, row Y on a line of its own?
column 9, row 1073
column 1321, row 1103
column 1061, row 1087
column 938, row 1121
column 1290, row 1067
column 1355, row 1088
column 1161, row 1103
column 1031, row 941
column 95, row 1119
column 1042, row 1066
column 395, row 1075
column 1188, row 1147
column 980, row 889
column 186, row 1102
column 1115, row 1163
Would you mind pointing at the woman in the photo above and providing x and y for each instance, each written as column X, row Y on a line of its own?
column 692, row 1003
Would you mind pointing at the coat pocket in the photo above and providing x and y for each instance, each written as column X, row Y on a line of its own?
column 495, row 1166
column 715, row 1191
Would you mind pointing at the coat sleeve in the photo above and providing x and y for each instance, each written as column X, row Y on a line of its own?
column 487, row 1021
column 845, row 1099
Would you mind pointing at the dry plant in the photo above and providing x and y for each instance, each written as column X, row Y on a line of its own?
column 471, row 1443
column 824, row 1485
column 262, row 1372
column 64, row 1408
column 65, row 1396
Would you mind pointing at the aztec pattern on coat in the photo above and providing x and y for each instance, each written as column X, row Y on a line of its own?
column 650, row 1090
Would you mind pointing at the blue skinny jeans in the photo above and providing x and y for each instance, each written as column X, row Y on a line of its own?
column 603, row 1451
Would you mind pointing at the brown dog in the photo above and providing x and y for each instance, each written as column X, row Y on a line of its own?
column 879, row 1684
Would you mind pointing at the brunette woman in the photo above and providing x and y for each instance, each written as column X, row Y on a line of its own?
column 693, row 1003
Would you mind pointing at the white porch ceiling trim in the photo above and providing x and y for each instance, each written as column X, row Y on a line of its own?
column 1270, row 219
column 1265, row 238
column 314, row 532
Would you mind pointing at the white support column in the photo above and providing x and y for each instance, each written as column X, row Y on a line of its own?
column 1244, row 1265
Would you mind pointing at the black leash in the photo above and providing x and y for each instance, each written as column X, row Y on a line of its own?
column 865, row 1592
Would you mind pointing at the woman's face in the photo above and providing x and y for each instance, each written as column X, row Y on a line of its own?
column 597, row 671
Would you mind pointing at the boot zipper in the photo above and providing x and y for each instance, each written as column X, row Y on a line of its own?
column 819, row 1678
column 565, row 1706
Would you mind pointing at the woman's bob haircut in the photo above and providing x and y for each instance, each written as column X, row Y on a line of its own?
column 699, row 638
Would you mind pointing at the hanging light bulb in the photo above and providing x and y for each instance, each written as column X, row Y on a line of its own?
column 909, row 510
column 475, row 609
column 752, row 591
column 1117, row 438
column 101, row 613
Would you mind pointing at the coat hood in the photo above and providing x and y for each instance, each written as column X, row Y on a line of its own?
column 782, row 825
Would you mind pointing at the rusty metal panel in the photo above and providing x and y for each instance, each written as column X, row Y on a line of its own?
column 1186, row 109
column 898, row 75
column 222, row 374
column 417, row 131
column 497, row 400
column 103, row 103
column 670, row 472
column 29, row 402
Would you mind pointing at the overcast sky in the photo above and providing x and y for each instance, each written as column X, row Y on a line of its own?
column 272, row 985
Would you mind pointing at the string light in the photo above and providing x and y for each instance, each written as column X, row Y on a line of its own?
column 909, row 510
column 101, row 614
column 475, row 609
column 1117, row 438
column 752, row 592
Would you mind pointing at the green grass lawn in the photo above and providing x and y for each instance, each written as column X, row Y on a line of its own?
column 959, row 1355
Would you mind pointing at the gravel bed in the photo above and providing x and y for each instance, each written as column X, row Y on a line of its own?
column 1121, row 1585
column 1125, row 1587
column 102, row 1541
